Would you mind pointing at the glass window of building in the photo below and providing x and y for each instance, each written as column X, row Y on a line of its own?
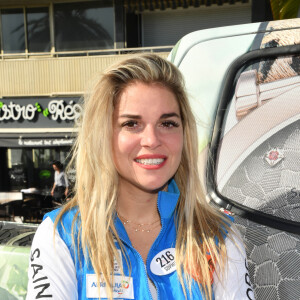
column 84, row 26
column 17, row 162
column 38, row 29
column 42, row 163
column 13, row 32
column 43, row 171
column 32, row 168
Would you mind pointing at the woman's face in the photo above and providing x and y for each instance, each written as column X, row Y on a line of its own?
column 147, row 136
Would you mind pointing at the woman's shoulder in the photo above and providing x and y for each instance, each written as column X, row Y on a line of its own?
column 65, row 220
column 68, row 214
column 65, row 224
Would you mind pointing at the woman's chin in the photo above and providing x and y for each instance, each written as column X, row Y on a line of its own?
column 154, row 187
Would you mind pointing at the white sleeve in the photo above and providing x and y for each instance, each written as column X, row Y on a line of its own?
column 51, row 271
column 235, row 285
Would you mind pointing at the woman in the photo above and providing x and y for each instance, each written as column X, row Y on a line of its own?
column 138, row 202
column 61, row 186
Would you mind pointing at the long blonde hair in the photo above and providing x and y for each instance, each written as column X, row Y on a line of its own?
column 96, row 188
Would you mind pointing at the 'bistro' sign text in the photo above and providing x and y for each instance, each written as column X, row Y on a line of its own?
column 57, row 109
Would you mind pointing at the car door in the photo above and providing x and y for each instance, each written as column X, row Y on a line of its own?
column 244, row 86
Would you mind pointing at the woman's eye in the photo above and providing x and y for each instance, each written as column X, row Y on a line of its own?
column 170, row 124
column 130, row 124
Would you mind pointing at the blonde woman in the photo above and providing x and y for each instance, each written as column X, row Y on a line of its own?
column 138, row 226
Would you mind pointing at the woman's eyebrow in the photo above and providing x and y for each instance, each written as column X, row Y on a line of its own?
column 138, row 117
column 129, row 116
column 169, row 115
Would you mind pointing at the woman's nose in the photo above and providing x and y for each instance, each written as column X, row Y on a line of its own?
column 150, row 137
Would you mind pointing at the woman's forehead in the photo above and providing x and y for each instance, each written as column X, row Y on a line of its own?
column 153, row 97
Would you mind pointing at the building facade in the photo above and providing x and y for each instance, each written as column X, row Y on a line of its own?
column 51, row 49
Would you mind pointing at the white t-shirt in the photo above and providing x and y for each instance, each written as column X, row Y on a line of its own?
column 60, row 179
column 58, row 275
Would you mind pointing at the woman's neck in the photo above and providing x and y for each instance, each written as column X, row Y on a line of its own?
column 137, row 206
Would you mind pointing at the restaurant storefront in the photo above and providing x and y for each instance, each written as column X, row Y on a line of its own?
column 34, row 131
column 51, row 49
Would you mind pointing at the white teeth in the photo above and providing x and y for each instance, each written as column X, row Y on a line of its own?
column 150, row 161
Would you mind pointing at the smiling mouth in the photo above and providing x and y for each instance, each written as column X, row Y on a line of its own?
column 150, row 161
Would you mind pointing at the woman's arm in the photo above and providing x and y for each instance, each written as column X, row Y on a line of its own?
column 51, row 271
column 235, row 284
column 52, row 191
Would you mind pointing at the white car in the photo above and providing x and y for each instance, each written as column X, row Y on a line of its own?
column 244, row 86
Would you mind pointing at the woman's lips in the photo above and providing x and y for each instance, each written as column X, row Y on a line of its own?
column 151, row 162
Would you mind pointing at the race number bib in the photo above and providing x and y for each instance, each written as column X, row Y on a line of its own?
column 163, row 263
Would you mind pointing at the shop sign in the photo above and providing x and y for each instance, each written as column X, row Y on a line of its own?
column 56, row 110
column 44, row 142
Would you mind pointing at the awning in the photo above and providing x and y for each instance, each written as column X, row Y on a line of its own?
column 141, row 5
column 39, row 140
